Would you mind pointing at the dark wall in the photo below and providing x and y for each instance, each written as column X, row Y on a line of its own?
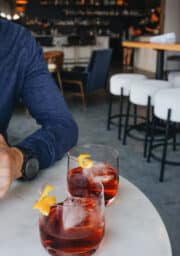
column 35, row 10
column 143, row 4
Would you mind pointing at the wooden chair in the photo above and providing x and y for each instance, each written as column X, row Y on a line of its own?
column 55, row 61
column 80, row 82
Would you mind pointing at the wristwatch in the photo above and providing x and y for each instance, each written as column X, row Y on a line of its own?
column 30, row 167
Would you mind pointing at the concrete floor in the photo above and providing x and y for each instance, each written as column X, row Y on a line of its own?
column 92, row 128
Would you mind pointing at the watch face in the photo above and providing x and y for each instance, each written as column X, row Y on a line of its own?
column 31, row 169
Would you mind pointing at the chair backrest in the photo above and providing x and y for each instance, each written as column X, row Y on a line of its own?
column 98, row 69
column 55, row 57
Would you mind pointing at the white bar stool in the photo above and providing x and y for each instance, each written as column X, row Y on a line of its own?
column 142, row 94
column 166, row 108
column 120, row 85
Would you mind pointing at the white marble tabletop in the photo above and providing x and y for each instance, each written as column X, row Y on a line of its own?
column 133, row 226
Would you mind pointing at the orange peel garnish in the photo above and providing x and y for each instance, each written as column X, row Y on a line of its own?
column 46, row 191
column 45, row 201
column 84, row 161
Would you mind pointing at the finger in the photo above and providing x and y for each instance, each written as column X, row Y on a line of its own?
column 4, row 186
column 2, row 140
column 3, row 192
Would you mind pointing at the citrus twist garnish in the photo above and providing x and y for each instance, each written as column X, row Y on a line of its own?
column 44, row 203
column 84, row 161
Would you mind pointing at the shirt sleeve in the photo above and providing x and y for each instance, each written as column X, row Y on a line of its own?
column 42, row 97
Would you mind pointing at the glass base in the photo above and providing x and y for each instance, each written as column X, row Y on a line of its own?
column 55, row 252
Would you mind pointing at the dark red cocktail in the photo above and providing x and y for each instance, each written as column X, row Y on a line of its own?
column 74, row 227
column 81, row 181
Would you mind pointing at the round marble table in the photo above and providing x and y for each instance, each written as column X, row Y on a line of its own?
column 133, row 226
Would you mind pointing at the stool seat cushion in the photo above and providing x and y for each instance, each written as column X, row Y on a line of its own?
column 124, row 81
column 167, row 99
column 141, row 90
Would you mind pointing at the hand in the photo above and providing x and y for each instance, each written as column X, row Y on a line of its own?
column 11, row 160
column 135, row 32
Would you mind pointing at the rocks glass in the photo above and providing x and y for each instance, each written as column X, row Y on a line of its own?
column 76, row 226
column 105, row 170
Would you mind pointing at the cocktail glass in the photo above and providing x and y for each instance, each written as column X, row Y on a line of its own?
column 76, row 226
column 104, row 170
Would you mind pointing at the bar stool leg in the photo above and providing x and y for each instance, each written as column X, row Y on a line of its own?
column 109, row 112
column 60, row 82
column 135, row 114
column 126, row 122
column 151, row 139
column 121, row 107
column 147, row 127
column 164, row 153
column 174, row 138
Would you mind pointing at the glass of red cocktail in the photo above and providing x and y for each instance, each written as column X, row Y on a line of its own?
column 104, row 169
column 76, row 226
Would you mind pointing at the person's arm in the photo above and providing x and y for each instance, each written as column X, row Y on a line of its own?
column 40, row 94
column 58, row 132
column 153, row 29
column 135, row 31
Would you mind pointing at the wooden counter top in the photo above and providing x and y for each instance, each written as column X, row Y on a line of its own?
column 149, row 45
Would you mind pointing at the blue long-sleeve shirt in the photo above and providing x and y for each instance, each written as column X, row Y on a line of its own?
column 24, row 76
